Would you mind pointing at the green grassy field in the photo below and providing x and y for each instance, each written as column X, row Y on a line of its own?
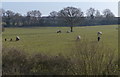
column 46, row 40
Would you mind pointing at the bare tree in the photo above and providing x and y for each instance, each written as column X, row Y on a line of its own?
column 33, row 16
column 17, row 19
column 97, row 13
column 90, row 13
column 53, row 14
column 71, row 15
column 2, row 12
column 107, row 13
column 9, row 15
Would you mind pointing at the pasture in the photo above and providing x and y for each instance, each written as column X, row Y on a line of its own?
column 42, row 49
column 46, row 40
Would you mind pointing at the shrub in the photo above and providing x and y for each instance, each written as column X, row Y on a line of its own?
column 17, row 62
column 93, row 58
column 13, row 61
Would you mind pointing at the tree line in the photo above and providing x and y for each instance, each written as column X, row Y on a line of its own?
column 68, row 16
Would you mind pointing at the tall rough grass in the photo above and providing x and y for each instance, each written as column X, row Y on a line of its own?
column 14, row 61
column 93, row 58
column 87, row 58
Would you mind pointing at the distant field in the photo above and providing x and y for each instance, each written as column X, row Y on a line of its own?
column 46, row 40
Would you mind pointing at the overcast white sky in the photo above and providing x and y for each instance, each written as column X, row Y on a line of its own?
column 46, row 6
column 59, row 0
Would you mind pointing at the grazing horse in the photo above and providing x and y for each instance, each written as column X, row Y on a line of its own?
column 11, row 39
column 59, row 31
column 5, row 39
column 78, row 37
column 17, row 38
column 99, row 35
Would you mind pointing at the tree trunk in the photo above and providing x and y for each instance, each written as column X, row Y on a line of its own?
column 71, row 28
column 3, row 29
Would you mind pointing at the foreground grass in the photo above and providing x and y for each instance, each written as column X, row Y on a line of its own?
column 87, row 58
column 46, row 40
